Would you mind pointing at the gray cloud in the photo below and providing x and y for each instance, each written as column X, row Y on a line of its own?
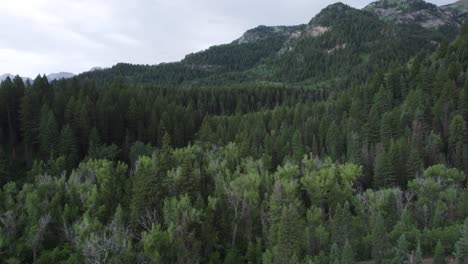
column 44, row 36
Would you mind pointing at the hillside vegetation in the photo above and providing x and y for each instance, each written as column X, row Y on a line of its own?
column 341, row 141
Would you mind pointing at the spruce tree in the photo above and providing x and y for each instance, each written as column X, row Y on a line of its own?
column 418, row 258
column 341, row 225
column 379, row 241
column 335, row 257
column 290, row 234
column 384, row 171
column 347, row 257
column 401, row 251
column 68, row 148
column 461, row 247
column 439, row 255
column 48, row 134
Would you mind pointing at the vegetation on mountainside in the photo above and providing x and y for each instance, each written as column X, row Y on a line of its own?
column 129, row 171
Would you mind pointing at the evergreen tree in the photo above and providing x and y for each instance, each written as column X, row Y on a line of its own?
column 461, row 247
column 48, row 134
column 384, row 171
column 290, row 235
column 342, row 226
column 334, row 254
column 418, row 259
column 401, row 251
column 68, row 148
column 379, row 241
column 456, row 141
column 347, row 257
column 439, row 254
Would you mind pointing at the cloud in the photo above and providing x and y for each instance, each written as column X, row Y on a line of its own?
column 44, row 36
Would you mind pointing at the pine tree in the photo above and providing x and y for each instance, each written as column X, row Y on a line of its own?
column 439, row 255
column 254, row 252
column 384, row 171
column 401, row 251
column 335, row 254
column 297, row 147
column 290, row 234
column 418, row 259
column 68, row 147
column 456, row 141
column 186, row 181
column 341, row 225
column 48, row 134
column 143, row 192
column 347, row 257
column 461, row 247
column 30, row 121
column 379, row 241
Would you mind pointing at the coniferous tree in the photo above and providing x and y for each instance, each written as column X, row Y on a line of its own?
column 418, row 259
column 48, row 134
column 439, row 255
column 68, row 148
column 379, row 241
column 461, row 247
column 335, row 257
column 290, row 235
column 401, row 250
column 456, row 141
column 347, row 257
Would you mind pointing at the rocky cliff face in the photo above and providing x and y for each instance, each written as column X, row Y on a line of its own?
column 419, row 12
column 458, row 10
column 264, row 32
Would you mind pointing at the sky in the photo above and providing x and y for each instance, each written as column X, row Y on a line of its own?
column 48, row 36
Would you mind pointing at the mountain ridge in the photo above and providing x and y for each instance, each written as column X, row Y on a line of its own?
column 259, row 53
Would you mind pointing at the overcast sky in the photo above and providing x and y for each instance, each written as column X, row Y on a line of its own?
column 46, row 36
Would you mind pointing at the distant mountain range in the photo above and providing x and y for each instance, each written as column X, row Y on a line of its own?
column 51, row 77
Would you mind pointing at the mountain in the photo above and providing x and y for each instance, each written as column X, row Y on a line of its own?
column 6, row 75
column 419, row 12
column 343, row 42
column 50, row 77
column 339, row 44
column 458, row 10
column 59, row 75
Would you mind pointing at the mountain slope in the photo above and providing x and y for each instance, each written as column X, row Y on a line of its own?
column 339, row 44
column 419, row 12
column 343, row 43
column 458, row 10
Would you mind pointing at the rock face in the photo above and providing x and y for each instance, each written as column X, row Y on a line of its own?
column 264, row 32
column 458, row 10
column 419, row 12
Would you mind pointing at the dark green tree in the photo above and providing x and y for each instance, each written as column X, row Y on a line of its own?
column 439, row 254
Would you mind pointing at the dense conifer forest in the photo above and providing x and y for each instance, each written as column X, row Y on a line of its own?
column 240, row 155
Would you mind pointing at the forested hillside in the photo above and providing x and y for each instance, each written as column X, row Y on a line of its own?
column 339, row 141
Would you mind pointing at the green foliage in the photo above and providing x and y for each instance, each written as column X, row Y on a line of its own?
column 321, row 143
column 418, row 259
column 461, row 247
column 347, row 257
column 439, row 254
column 401, row 250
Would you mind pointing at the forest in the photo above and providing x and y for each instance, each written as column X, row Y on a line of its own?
column 241, row 162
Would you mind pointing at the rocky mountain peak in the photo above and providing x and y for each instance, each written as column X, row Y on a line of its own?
column 425, row 14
